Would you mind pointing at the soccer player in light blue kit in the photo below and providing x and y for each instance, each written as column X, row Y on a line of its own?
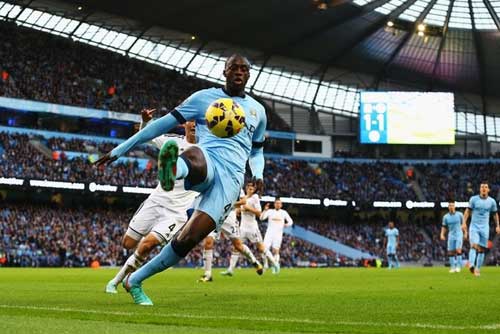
column 479, row 231
column 391, row 242
column 452, row 222
column 215, row 167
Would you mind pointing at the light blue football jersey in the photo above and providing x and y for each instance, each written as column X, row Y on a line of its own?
column 234, row 151
column 391, row 235
column 453, row 222
column 481, row 210
column 231, row 153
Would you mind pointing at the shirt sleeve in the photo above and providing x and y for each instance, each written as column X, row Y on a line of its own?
column 153, row 130
column 396, row 233
column 288, row 219
column 494, row 207
column 444, row 221
column 471, row 203
column 256, row 159
column 264, row 215
column 192, row 108
column 256, row 203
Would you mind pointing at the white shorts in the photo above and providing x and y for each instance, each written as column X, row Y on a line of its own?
column 153, row 217
column 230, row 228
column 273, row 240
column 253, row 235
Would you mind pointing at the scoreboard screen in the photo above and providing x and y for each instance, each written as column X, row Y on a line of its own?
column 407, row 118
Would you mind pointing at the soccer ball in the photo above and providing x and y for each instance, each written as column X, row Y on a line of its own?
column 225, row 117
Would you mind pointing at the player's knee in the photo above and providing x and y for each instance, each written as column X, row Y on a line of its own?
column 237, row 244
column 147, row 245
column 129, row 243
column 195, row 159
column 208, row 244
column 183, row 243
column 261, row 247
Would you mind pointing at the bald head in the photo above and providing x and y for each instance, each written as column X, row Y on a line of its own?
column 234, row 57
column 237, row 72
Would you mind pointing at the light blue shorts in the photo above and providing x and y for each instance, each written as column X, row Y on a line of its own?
column 454, row 243
column 479, row 235
column 391, row 249
column 219, row 191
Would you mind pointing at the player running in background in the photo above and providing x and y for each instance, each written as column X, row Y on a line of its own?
column 479, row 231
column 215, row 166
column 231, row 231
column 249, row 229
column 277, row 220
column 452, row 222
column 161, row 215
column 391, row 242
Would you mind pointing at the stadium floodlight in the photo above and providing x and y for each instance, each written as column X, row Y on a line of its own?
column 57, row 184
column 11, row 181
column 390, row 24
column 421, row 27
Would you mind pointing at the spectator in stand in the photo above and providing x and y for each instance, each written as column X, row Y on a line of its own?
column 73, row 73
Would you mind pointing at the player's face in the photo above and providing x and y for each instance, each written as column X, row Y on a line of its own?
column 278, row 205
column 451, row 207
column 484, row 189
column 250, row 189
column 237, row 72
column 391, row 225
column 190, row 129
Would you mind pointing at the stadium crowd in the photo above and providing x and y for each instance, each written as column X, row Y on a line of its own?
column 47, row 236
column 77, row 74
column 350, row 181
column 41, row 235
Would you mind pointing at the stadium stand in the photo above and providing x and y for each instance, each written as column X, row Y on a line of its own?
column 71, row 73
column 48, row 236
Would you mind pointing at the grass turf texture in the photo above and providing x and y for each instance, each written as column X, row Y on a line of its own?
column 298, row 300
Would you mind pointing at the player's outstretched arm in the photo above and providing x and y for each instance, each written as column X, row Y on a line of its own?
column 497, row 222
column 464, row 223
column 265, row 213
column 288, row 220
column 146, row 117
column 256, row 160
column 156, row 128
column 442, row 235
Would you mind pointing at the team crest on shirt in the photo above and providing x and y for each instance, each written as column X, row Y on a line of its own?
column 253, row 113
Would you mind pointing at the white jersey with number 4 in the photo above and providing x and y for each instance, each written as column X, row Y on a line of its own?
column 277, row 220
column 163, row 213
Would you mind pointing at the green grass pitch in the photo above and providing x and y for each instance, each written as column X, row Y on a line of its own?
column 406, row 301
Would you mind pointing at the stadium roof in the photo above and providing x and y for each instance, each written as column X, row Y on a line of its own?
column 313, row 53
column 458, row 49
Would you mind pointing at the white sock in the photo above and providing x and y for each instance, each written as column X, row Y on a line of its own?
column 248, row 254
column 277, row 258
column 271, row 258
column 132, row 264
column 233, row 261
column 264, row 260
column 208, row 256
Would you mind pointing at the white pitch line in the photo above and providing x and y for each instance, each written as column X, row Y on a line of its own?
column 244, row 318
